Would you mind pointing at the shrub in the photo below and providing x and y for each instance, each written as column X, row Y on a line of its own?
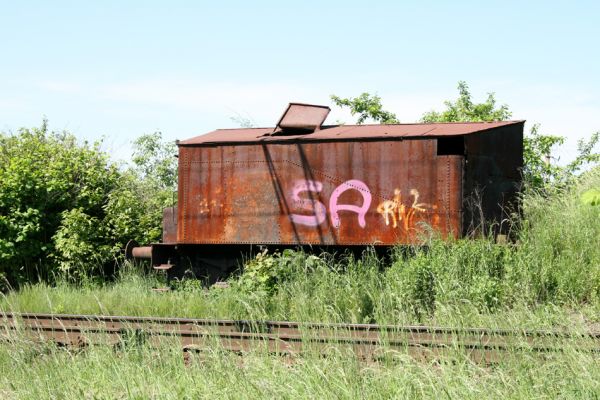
column 66, row 208
column 45, row 174
column 266, row 272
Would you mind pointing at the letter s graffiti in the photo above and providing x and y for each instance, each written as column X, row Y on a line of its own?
column 319, row 209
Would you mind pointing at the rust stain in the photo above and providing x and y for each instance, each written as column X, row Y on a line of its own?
column 342, row 193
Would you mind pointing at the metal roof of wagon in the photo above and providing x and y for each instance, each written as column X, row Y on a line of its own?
column 346, row 132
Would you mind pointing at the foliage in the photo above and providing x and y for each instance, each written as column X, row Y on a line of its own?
column 540, row 172
column 367, row 106
column 144, row 191
column 266, row 271
column 66, row 208
column 591, row 197
column 155, row 160
column 134, row 210
column 80, row 243
column 45, row 175
column 586, row 155
column 464, row 110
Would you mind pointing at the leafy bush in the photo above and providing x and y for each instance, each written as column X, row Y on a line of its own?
column 43, row 175
column 80, row 244
column 267, row 271
column 135, row 208
column 66, row 208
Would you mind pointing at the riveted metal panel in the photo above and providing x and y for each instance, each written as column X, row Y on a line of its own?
column 169, row 225
column 338, row 193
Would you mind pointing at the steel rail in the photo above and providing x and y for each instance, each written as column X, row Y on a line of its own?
column 369, row 341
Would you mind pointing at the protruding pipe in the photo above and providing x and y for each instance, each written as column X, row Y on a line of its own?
column 142, row 252
column 133, row 250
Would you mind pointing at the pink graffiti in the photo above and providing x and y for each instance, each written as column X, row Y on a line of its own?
column 334, row 207
column 320, row 211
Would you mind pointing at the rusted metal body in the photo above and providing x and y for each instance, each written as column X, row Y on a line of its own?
column 367, row 341
column 169, row 225
column 303, row 184
column 372, row 185
column 330, row 193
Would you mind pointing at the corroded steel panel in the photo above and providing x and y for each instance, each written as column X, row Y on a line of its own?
column 169, row 225
column 337, row 193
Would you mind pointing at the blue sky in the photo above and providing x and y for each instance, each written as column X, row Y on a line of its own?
column 121, row 69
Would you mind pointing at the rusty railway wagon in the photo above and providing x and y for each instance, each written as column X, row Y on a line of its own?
column 304, row 184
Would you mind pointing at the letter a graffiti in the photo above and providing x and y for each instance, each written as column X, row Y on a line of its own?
column 334, row 207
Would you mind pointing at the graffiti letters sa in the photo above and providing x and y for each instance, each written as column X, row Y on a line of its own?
column 320, row 210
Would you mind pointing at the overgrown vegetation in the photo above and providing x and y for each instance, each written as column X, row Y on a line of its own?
column 67, row 210
column 144, row 372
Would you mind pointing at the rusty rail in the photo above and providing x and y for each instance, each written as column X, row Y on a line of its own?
column 367, row 341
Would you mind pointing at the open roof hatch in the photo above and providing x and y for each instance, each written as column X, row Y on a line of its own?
column 301, row 118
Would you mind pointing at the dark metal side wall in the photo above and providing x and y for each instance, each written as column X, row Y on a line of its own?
column 494, row 161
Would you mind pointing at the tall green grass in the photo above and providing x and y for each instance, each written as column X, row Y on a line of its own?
column 142, row 372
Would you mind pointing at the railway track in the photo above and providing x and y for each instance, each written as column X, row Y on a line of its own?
column 367, row 341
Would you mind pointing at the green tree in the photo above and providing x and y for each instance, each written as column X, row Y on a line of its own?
column 464, row 109
column 155, row 159
column 366, row 106
column 587, row 155
column 538, row 170
column 145, row 190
